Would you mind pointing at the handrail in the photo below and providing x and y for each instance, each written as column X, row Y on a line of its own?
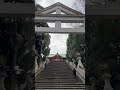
column 76, row 71
column 80, row 75
column 40, row 69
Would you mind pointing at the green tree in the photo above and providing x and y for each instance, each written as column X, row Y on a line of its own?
column 42, row 43
column 16, row 37
column 102, row 47
column 75, row 44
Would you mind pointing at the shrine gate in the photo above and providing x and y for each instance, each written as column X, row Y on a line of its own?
column 69, row 16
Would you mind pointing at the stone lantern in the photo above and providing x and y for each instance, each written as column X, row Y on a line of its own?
column 107, row 85
column 79, row 61
column 107, row 77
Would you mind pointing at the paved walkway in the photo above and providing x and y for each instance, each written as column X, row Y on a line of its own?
column 57, row 76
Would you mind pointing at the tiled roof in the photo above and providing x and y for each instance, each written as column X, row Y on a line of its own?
column 51, row 55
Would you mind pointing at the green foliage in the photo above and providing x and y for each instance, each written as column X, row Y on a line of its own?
column 102, row 40
column 42, row 43
column 44, row 58
column 21, row 78
column 46, row 51
column 17, row 33
column 27, row 61
column 75, row 44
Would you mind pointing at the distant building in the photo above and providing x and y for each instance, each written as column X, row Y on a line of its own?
column 57, row 57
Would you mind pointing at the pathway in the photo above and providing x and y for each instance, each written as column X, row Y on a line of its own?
column 57, row 76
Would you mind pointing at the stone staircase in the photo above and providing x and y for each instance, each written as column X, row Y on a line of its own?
column 57, row 76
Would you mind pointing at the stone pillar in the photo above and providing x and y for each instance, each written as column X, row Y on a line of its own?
column 83, row 23
column 2, row 77
column 58, row 23
column 107, row 85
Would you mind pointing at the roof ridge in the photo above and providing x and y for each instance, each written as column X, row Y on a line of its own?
column 62, row 5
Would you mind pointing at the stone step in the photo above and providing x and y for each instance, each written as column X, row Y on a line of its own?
column 59, row 87
column 70, row 86
column 54, row 73
column 61, row 73
column 50, row 71
column 58, row 83
column 69, row 73
column 58, row 80
column 49, row 81
column 63, row 69
column 62, row 66
column 59, row 68
column 57, row 71
column 57, row 76
column 58, row 65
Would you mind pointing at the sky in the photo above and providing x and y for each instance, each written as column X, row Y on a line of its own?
column 58, row 41
column 69, row 3
column 46, row 3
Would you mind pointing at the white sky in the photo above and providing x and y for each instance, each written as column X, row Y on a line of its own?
column 46, row 3
column 58, row 41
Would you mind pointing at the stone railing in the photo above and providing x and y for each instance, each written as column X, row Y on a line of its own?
column 40, row 68
column 80, row 72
